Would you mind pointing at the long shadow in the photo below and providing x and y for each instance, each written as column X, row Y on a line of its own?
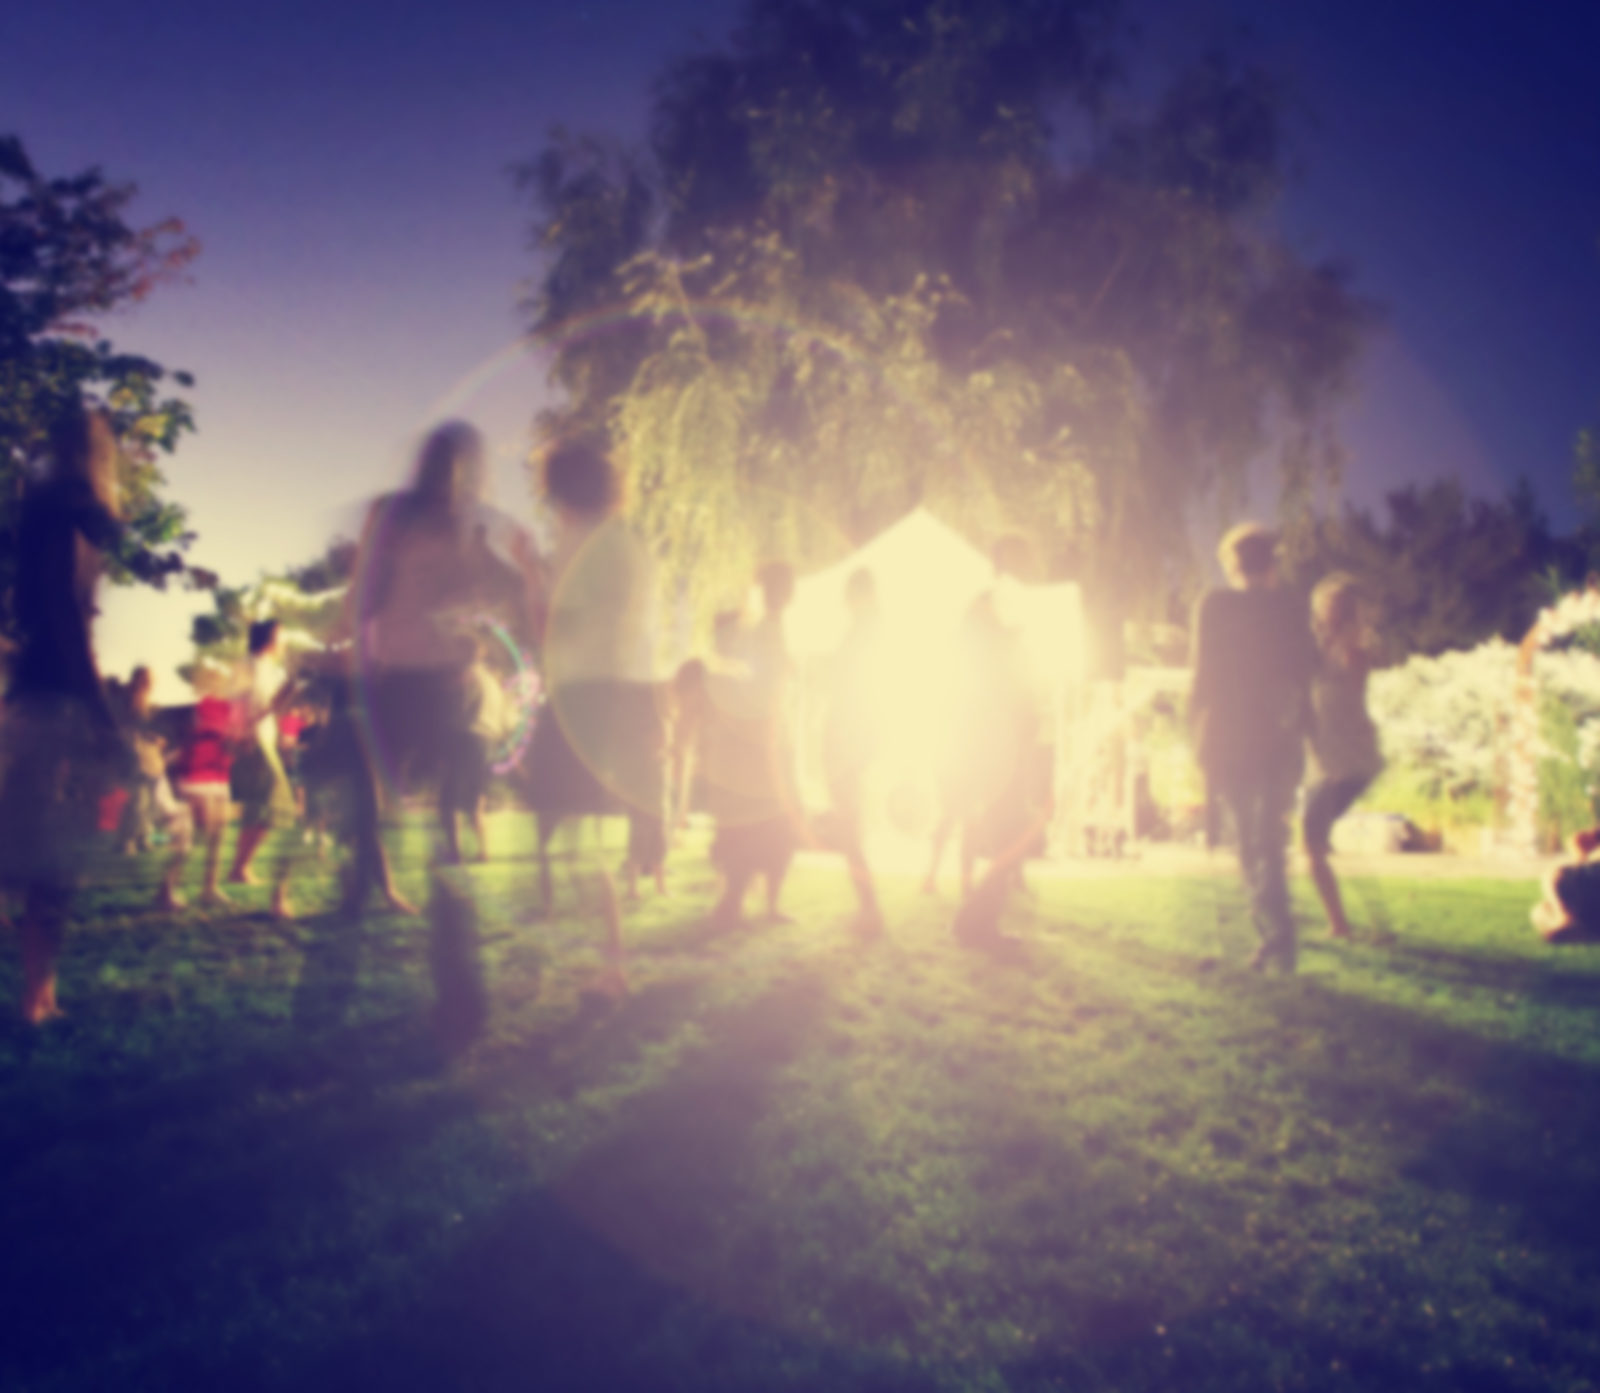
column 590, row 1282
column 1551, row 979
column 123, row 1212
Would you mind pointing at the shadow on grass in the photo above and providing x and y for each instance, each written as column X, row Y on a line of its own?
column 619, row 1274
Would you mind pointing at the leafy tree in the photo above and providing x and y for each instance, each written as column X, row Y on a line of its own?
column 1450, row 570
column 68, row 256
column 307, row 600
column 855, row 271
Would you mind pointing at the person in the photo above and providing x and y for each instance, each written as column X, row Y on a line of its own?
column 1003, row 815
column 1568, row 911
column 203, row 770
column 61, row 745
column 1249, row 711
column 470, row 764
column 423, row 574
column 689, row 712
column 259, row 782
column 130, row 703
column 152, row 808
column 851, row 732
column 599, row 745
column 1343, row 745
column 750, row 760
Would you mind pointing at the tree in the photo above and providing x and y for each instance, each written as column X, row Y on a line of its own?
column 68, row 256
column 307, row 600
column 1450, row 571
column 855, row 271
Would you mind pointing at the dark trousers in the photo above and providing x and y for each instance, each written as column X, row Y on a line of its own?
column 1259, row 799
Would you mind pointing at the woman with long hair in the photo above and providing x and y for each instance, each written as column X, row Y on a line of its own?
column 422, row 573
column 1343, row 743
column 61, row 743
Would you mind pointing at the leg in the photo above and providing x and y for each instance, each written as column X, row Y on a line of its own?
column 42, row 928
column 546, row 824
column 1260, row 804
column 211, row 892
column 1327, row 884
column 780, row 856
column 250, row 839
column 479, row 829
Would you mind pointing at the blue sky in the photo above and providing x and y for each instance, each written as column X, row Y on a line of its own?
column 346, row 169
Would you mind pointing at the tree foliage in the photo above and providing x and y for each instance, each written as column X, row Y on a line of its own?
column 856, row 269
column 68, row 257
column 307, row 600
column 1449, row 570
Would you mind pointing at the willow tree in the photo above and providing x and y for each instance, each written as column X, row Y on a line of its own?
column 855, row 271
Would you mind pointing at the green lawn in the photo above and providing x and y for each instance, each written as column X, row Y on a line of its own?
column 792, row 1160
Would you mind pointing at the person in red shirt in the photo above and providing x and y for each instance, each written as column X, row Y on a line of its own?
column 201, row 778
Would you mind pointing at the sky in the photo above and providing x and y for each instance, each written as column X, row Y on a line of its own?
column 346, row 167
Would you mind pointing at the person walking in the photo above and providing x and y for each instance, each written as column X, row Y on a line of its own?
column 1249, row 712
column 1345, row 757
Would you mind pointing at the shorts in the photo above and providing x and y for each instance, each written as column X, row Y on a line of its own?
column 1326, row 802
column 210, row 801
column 261, row 788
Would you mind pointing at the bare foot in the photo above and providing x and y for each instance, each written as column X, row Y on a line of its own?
column 244, row 877
column 168, row 900
column 213, row 898
column 282, row 907
column 396, row 903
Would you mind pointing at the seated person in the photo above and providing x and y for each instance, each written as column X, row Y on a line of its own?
column 1570, row 909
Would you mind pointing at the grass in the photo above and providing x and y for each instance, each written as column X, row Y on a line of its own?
column 792, row 1160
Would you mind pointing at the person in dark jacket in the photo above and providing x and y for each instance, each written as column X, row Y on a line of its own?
column 1249, row 714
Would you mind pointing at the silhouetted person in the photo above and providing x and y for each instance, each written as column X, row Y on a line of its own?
column 752, row 759
column 1002, row 821
column 1249, row 714
column 62, row 746
column 260, row 783
column 422, row 575
column 1345, row 757
column 1569, row 910
column 851, row 734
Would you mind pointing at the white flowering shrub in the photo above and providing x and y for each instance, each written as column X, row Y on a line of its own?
column 1446, row 727
column 1446, row 720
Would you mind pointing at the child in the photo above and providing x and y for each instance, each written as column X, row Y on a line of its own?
column 202, row 775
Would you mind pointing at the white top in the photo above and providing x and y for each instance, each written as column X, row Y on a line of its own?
column 267, row 676
column 602, row 619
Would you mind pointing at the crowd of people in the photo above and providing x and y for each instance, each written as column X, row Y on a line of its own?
column 406, row 698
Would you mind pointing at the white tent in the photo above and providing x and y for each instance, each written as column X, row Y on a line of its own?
column 927, row 577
